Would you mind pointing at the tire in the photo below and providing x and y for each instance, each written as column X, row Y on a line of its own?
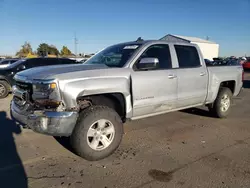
column 4, row 89
column 89, row 120
column 218, row 109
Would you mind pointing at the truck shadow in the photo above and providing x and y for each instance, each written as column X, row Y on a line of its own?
column 198, row 112
column 12, row 173
column 65, row 142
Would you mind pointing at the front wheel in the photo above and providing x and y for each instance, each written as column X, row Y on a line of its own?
column 222, row 104
column 4, row 89
column 98, row 133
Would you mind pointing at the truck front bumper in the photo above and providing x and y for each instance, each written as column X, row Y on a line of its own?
column 46, row 122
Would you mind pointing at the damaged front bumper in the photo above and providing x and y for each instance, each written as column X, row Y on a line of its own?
column 46, row 122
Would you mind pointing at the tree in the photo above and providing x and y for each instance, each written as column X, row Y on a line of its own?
column 45, row 49
column 65, row 51
column 53, row 50
column 25, row 50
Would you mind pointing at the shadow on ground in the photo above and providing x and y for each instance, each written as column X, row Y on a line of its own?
column 65, row 142
column 198, row 112
column 246, row 84
column 12, row 173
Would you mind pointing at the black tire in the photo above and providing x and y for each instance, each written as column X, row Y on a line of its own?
column 6, row 87
column 216, row 107
column 86, row 119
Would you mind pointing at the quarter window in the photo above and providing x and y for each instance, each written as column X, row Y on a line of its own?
column 188, row 56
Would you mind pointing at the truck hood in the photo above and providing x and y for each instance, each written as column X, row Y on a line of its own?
column 57, row 71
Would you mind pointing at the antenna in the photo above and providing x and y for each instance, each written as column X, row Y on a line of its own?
column 76, row 42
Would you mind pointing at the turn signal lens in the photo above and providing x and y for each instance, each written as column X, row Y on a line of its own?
column 53, row 85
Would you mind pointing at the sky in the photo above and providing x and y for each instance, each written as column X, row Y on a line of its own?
column 98, row 24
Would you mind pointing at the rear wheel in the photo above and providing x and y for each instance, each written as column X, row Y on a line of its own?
column 4, row 89
column 222, row 104
column 98, row 133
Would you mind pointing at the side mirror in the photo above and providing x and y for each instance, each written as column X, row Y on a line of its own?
column 148, row 63
column 22, row 67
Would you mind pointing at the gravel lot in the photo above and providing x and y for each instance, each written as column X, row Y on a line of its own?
column 180, row 149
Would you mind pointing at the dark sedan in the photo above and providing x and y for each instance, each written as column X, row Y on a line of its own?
column 7, row 73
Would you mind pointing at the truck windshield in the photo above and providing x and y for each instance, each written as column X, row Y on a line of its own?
column 114, row 56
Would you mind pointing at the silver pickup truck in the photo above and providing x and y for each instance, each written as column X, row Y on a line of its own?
column 90, row 102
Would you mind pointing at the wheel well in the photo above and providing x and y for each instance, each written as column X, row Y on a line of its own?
column 229, row 84
column 112, row 100
column 5, row 80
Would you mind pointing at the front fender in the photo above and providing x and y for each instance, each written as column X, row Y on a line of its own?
column 73, row 90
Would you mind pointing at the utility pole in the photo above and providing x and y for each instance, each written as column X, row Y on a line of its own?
column 76, row 42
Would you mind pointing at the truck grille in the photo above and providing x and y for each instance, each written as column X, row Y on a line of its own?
column 24, row 86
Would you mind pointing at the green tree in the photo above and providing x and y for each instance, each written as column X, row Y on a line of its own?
column 45, row 49
column 25, row 50
column 53, row 50
column 65, row 51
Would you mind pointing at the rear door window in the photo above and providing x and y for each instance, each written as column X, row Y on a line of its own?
column 67, row 61
column 188, row 56
column 57, row 61
column 30, row 63
column 50, row 61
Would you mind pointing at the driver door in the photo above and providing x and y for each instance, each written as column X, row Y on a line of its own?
column 154, row 91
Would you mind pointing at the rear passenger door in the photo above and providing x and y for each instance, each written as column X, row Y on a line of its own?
column 192, row 77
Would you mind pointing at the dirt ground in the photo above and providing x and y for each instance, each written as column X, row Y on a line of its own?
column 182, row 149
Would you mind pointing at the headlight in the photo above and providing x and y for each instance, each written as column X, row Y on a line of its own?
column 44, row 87
column 46, row 94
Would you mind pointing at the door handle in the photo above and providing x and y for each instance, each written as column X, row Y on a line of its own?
column 171, row 76
column 202, row 74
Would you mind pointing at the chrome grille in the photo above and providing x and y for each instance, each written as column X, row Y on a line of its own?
column 24, row 86
column 22, row 93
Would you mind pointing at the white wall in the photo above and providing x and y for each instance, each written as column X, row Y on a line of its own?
column 209, row 51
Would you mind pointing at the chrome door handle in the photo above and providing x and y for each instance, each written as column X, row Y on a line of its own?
column 202, row 74
column 171, row 76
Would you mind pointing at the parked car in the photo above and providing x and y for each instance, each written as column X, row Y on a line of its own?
column 246, row 65
column 90, row 102
column 6, row 62
column 7, row 73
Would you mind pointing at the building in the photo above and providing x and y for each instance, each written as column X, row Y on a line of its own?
column 208, row 48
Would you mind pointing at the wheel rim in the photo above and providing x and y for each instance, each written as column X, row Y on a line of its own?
column 2, row 89
column 100, row 134
column 225, row 103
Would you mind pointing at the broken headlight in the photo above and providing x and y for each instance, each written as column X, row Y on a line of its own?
column 46, row 94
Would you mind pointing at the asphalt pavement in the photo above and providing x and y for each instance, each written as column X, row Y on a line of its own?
column 184, row 149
